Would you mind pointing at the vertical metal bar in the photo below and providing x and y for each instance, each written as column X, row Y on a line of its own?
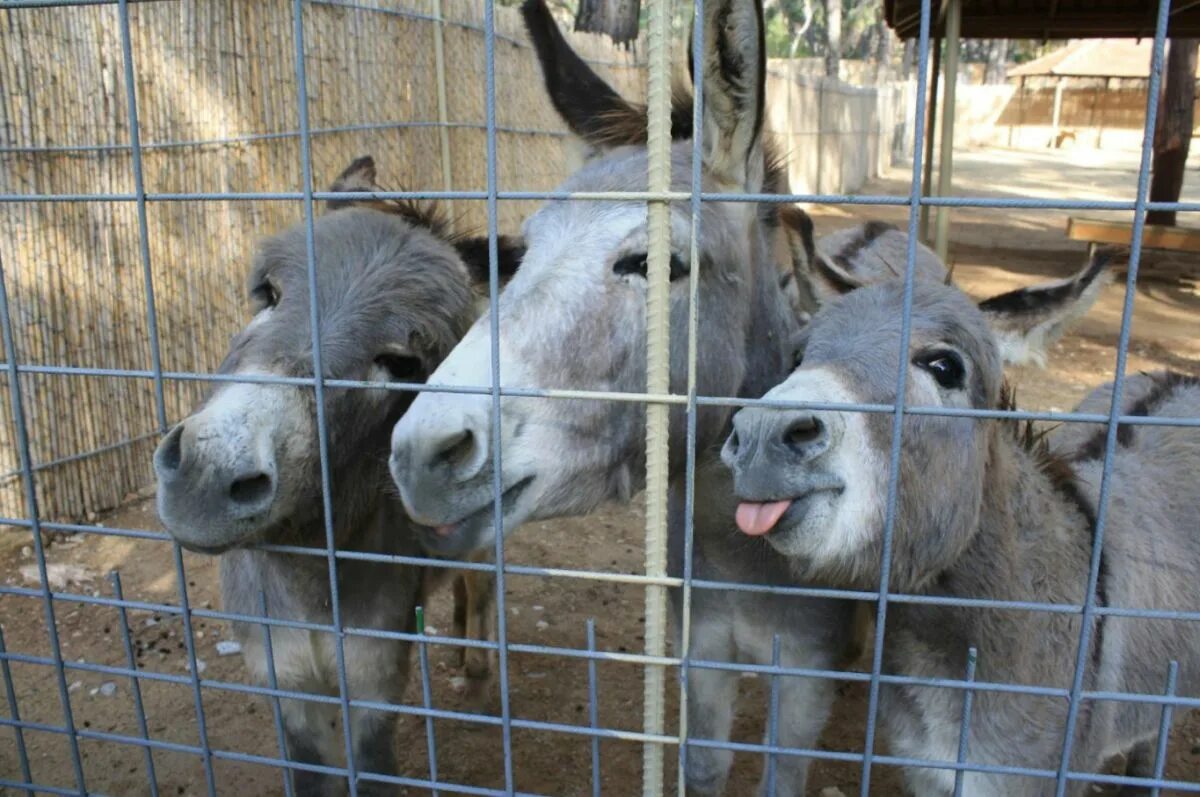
column 439, row 59
column 914, row 198
column 427, row 697
column 658, row 380
column 696, row 208
column 593, row 707
column 139, row 187
column 156, row 366
column 314, row 320
column 949, row 92
column 930, row 134
column 194, row 667
column 1114, row 411
column 773, row 717
column 489, row 37
column 35, row 525
column 1164, row 729
column 273, row 683
column 964, row 729
column 135, row 686
column 10, row 694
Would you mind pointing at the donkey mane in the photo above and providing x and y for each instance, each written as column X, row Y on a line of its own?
column 360, row 176
column 1035, row 442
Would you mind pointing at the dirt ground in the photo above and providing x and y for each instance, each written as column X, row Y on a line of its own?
column 993, row 251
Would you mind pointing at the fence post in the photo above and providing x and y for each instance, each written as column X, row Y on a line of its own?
column 439, row 57
column 658, row 381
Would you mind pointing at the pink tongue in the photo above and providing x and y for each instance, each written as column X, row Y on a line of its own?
column 758, row 519
column 444, row 531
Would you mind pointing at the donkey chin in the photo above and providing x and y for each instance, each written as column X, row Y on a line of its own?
column 471, row 529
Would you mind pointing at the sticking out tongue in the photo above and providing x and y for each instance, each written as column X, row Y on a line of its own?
column 758, row 519
column 445, row 530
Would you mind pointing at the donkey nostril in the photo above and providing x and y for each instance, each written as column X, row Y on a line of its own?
column 252, row 489
column 804, row 432
column 170, row 450
column 733, row 443
column 457, row 449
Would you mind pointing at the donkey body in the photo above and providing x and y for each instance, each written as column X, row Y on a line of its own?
column 573, row 317
column 985, row 509
column 394, row 293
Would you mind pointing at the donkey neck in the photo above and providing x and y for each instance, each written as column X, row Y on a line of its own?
column 1032, row 542
column 773, row 323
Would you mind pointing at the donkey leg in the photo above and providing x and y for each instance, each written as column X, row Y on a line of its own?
column 804, row 706
column 308, row 731
column 1139, row 763
column 711, row 696
column 462, row 601
column 374, row 734
column 477, row 662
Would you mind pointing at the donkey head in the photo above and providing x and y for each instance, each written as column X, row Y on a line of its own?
column 815, row 482
column 393, row 295
column 574, row 315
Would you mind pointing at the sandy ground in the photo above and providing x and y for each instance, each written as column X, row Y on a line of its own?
column 993, row 251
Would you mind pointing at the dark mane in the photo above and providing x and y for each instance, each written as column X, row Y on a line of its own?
column 360, row 176
column 1034, row 442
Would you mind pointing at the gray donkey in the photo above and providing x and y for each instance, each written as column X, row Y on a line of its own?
column 395, row 293
column 986, row 509
column 573, row 316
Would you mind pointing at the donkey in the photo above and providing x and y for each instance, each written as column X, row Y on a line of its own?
column 985, row 509
column 573, row 316
column 395, row 293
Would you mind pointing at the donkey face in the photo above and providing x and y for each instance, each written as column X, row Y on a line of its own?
column 815, row 481
column 392, row 299
column 574, row 315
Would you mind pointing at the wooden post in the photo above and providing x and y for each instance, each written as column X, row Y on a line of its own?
column 1057, row 117
column 930, row 134
column 941, row 236
column 1173, row 132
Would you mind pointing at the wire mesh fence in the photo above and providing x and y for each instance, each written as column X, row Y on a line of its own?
column 171, row 211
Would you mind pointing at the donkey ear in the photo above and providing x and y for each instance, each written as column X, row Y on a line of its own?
column 474, row 253
column 590, row 107
column 358, row 176
column 734, row 87
column 1028, row 321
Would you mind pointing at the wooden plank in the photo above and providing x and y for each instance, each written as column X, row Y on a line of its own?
column 1154, row 236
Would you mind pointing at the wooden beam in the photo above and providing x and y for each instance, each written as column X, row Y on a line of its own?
column 1120, row 233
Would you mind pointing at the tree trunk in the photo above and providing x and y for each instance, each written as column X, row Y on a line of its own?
column 997, row 61
column 833, row 36
column 883, row 50
column 907, row 59
column 617, row 18
column 1173, row 130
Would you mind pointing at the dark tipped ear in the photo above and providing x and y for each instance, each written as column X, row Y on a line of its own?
column 799, row 228
column 590, row 107
column 734, row 87
column 474, row 253
column 1028, row 320
column 358, row 176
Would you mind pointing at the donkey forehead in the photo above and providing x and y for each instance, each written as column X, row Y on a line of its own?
column 378, row 279
column 863, row 329
column 596, row 226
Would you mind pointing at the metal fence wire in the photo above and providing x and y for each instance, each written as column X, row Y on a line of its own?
column 665, row 751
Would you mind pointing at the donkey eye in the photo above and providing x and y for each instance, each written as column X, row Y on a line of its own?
column 945, row 366
column 266, row 294
column 401, row 367
column 636, row 264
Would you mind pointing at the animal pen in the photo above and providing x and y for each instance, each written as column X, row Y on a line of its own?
column 147, row 145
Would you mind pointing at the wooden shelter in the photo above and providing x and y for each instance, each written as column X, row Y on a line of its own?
column 953, row 20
